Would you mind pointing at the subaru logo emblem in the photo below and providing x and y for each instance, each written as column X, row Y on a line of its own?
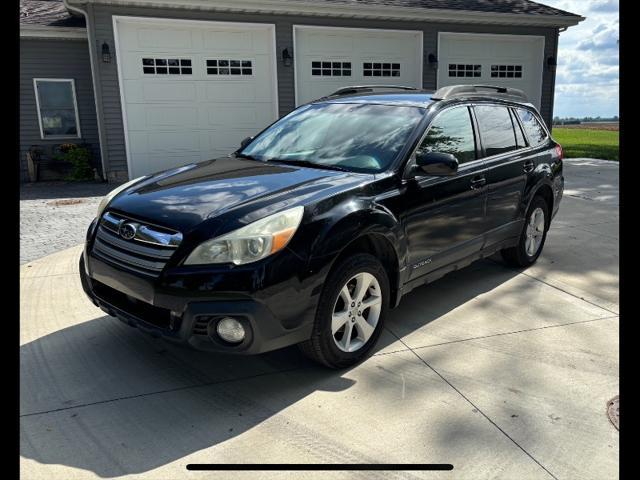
column 127, row 230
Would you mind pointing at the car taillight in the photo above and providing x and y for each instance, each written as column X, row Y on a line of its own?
column 559, row 152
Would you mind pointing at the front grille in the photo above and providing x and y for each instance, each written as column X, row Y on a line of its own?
column 160, row 317
column 146, row 253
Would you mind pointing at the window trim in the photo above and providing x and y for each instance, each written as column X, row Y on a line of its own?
column 515, row 119
column 75, row 108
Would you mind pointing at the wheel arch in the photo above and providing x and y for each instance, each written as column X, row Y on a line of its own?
column 545, row 191
column 381, row 247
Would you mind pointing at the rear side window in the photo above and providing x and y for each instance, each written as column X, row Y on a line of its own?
column 535, row 131
column 520, row 141
column 451, row 132
column 496, row 129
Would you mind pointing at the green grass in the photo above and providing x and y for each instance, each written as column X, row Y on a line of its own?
column 582, row 142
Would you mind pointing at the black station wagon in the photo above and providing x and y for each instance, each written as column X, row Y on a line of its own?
column 314, row 228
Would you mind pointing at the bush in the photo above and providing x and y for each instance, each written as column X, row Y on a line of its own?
column 80, row 160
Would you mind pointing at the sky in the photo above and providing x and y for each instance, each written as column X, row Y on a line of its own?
column 587, row 75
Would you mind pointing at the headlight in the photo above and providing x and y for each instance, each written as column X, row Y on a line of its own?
column 251, row 243
column 109, row 196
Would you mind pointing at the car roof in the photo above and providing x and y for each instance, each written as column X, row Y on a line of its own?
column 411, row 99
column 422, row 98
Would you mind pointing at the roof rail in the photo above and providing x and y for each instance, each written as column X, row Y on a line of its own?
column 367, row 88
column 453, row 91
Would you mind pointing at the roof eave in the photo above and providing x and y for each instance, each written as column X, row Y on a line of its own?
column 353, row 11
column 48, row 31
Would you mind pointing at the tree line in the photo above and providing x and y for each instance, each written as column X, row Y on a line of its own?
column 579, row 120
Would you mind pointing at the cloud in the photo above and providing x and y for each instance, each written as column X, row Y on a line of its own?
column 603, row 37
column 587, row 76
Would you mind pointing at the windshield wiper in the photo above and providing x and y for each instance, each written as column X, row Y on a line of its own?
column 307, row 163
column 248, row 157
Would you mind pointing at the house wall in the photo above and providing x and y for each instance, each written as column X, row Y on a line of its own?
column 101, row 17
column 51, row 58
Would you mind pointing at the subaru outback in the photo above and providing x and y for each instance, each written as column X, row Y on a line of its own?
column 316, row 227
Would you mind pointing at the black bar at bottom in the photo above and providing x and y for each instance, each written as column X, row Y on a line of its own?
column 319, row 466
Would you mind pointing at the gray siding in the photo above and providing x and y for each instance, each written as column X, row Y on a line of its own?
column 49, row 58
column 102, row 19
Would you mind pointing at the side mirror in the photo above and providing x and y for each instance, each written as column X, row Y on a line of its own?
column 245, row 142
column 437, row 163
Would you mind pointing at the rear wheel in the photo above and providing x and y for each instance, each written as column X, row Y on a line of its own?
column 532, row 238
column 350, row 312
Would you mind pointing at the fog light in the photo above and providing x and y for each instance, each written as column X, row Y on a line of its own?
column 230, row 330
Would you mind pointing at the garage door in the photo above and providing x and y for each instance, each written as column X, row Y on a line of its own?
column 192, row 91
column 502, row 60
column 328, row 58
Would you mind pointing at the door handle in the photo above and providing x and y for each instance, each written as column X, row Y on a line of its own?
column 529, row 166
column 478, row 182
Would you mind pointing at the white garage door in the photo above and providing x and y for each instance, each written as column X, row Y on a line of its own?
column 192, row 91
column 501, row 60
column 328, row 58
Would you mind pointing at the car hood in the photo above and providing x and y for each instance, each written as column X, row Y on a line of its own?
column 185, row 197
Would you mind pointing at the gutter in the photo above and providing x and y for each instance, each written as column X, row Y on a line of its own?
column 346, row 10
column 97, row 91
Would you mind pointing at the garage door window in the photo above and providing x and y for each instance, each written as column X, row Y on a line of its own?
column 506, row 71
column 380, row 69
column 464, row 70
column 326, row 68
column 57, row 108
column 166, row 66
column 496, row 129
column 229, row 67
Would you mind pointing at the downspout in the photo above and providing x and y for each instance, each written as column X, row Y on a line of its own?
column 96, row 84
column 553, row 79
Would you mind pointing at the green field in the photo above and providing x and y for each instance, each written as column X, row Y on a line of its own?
column 582, row 142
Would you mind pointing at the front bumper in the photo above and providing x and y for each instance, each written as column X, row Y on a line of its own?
column 190, row 318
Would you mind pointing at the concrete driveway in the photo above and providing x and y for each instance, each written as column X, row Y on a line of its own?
column 504, row 374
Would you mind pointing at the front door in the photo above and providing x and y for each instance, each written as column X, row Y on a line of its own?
column 444, row 217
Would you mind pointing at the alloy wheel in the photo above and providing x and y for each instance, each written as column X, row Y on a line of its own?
column 356, row 312
column 535, row 232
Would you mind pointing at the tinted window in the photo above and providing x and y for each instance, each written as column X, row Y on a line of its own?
column 496, row 129
column 535, row 131
column 520, row 141
column 451, row 132
column 358, row 137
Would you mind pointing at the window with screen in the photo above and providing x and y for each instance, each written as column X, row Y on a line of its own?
column 535, row 131
column 57, row 108
column 496, row 129
column 451, row 132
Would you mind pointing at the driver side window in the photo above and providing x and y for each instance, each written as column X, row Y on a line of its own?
column 451, row 132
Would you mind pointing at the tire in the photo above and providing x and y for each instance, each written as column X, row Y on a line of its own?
column 335, row 349
column 524, row 253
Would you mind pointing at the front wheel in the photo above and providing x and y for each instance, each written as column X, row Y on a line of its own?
column 350, row 312
column 532, row 238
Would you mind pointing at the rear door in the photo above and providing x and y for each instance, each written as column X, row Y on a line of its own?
column 507, row 161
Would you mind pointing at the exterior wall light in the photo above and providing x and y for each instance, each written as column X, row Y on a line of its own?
column 106, row 53
column 433, row 60
column 287, row 59
column 551, row 63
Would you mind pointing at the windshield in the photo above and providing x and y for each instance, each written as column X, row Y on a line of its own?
column 355, row 137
